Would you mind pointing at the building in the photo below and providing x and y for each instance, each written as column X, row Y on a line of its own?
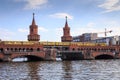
column 92, row 37
column 112, row 40
column 86, row 37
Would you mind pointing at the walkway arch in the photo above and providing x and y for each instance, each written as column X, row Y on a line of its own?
column 104, row 56
column 29, row 57
column 1, row 60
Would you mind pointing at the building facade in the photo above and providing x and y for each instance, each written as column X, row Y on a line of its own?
column 112, row 40
column 93, row 37
column 86, row 37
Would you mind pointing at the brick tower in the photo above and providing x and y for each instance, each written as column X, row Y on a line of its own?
column 33, row 35
column 66, row 33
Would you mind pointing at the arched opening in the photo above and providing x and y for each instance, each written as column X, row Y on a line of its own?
column 65, row 48
column 1, row 60
column 95, row 49
column 1, row 50
column 7, row 49
column 16, row 49
column 104, row 56
column 73, row 49
column 38, row 49
column 28, row 50
column 31, row 49
column 11, row 49
column 27, row 58
column 20, row 49
column 23, row 50
column 78, row 49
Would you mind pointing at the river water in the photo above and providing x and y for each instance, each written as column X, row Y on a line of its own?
column 61, row 70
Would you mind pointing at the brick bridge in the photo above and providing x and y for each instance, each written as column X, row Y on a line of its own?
column 98, row 51
column 31, row 56
column 35, row 51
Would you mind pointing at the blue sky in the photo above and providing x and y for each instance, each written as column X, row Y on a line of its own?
column 84, row 16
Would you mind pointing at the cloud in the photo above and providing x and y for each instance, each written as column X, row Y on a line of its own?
column 23, row 30
column 61, row 15
column 110, row 5
column 42, row 29
column 33, row 4
column 6, row 34
column 91, row 24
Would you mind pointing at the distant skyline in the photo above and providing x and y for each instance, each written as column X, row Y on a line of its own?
column 84, row 16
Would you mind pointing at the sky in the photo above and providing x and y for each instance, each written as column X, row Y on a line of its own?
column 84, row 16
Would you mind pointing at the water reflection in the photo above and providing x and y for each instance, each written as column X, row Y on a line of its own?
column 67, row 67
column 33, row 69
column 61, row 70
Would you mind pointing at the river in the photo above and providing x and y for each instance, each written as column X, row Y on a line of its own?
column 61, row 70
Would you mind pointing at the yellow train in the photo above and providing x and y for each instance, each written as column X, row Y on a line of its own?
column 46, row 43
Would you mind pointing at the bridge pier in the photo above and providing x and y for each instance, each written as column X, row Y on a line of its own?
column 50, row 54
column 7, row 58
column 71, row 55
column 88, row 55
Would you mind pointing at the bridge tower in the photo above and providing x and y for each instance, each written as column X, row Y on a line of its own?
column 33, row 35
column 66, row 33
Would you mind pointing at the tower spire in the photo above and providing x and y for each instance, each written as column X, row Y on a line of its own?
column 66, row 24
column 33, row 21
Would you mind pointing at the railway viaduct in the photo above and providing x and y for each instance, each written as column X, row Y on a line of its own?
column 35, row 51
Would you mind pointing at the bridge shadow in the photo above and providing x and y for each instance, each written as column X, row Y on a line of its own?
column 104, row 56
column 28, row 58
column 34, row 58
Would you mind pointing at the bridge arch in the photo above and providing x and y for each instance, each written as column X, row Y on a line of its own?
column 104, row 56
column 29, row 57
column 1, row 49
column 38, row 56
column 1, row 60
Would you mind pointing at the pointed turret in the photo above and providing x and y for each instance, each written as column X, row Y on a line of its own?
column 66, row 24
column 66, row 33
column 33, row 21
column 33, row 36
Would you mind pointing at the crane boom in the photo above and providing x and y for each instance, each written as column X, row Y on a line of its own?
column 105, row 32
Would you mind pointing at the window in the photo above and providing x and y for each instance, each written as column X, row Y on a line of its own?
column 38, row 49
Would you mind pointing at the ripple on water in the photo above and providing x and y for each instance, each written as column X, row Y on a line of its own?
column 61, row 70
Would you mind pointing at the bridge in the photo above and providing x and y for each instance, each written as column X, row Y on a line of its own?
column 37, row 51
column 33, row 51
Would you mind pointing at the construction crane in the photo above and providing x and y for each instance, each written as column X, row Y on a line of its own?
column 105, row 32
